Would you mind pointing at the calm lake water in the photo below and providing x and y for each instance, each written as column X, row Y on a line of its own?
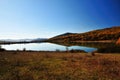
column 46, row 47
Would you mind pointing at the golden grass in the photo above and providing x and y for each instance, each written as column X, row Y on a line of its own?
column 58, row 66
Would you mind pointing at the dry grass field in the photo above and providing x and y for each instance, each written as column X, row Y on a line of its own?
column 58, row 66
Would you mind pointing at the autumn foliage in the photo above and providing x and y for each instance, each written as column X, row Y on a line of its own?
column 112, row 33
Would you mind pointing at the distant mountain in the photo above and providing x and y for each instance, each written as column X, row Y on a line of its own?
column 15, row 40
column 106, row 34
column 12, row 41
column 39, row 40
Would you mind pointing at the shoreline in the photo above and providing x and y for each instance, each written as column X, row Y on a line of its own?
column 102, row 41
column 58, row 52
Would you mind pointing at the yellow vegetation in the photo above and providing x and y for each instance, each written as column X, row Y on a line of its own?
column 58, row 66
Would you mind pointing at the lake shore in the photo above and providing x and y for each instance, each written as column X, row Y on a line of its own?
column 26, row 42
column 44, row 65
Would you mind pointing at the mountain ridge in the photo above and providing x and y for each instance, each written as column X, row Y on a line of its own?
column 106, row 34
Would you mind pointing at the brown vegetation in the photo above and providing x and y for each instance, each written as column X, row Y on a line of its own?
column 58, row 66
column 118, row 41
column 108, row 34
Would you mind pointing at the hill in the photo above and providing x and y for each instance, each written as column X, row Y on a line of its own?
column 107, row 34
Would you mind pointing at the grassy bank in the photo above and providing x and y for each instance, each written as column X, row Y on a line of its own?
column 58, row 66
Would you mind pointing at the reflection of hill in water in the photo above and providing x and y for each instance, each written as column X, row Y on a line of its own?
column 101, row 47
column 92, row 44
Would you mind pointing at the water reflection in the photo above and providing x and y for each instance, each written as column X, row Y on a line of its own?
column 57, row 46
column 101, row 47
column 46, row 47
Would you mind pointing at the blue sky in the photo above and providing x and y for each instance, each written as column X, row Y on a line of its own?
column 48, row 18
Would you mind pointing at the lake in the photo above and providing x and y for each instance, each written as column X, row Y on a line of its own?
column 48, row 47
column 64, row 46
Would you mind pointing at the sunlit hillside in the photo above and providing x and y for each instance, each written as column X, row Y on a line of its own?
column 112, row 33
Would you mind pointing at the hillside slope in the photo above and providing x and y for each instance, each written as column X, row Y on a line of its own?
column 106, row 34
